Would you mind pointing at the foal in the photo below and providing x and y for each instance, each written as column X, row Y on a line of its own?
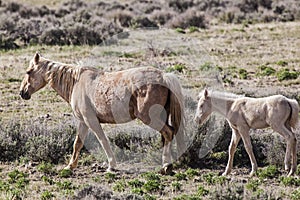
column 243, row 113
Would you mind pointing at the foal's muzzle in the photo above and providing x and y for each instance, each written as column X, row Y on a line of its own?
column 25, row 95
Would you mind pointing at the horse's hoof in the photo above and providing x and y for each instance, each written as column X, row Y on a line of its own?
column 167, row 169
column 68, row 168
column 111, row 169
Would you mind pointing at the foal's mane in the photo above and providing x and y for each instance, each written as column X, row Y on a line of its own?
column 63, row 76
column 223, row 95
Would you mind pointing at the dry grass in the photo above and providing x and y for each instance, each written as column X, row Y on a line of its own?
column 230, row 47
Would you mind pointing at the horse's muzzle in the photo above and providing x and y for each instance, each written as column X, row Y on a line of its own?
column 25, row 95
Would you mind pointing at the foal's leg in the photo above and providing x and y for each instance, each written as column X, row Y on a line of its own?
column 78, row 144
column 235, row 138
column 291, row 146
column 248, row 146
column 93, row 123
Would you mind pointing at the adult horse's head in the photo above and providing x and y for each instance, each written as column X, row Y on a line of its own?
column 204, row 108
column 34, row 79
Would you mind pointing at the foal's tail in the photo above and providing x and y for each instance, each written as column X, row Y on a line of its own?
column 176, row 105
column 294, row 116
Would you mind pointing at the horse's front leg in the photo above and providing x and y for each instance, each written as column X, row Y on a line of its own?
column 235, row 138
column 248, row 146
column 78, row 144
column 93, row 123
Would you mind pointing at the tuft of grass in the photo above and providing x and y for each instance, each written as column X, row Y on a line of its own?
column 110, row 177
column 65, row 173
column 206, row 66
column 135, row 183
column 193, row 29
column 47, row 195
column 268, row 173
column 177, row 67
column 48, row 180
column 243, row 74
column 151, row 176
column 282, row 63
column 295, row 195
column 191, row 173
column 180, row 176
column 290, row 181
column 120, row 185
column 264, row 70
column 152, row 186
column 176, row 186
column 286, row 74
column 253, row 184
column 180, row 30
column 46, row 168
column 201, row 191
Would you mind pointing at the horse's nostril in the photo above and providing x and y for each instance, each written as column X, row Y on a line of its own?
column 24, row 95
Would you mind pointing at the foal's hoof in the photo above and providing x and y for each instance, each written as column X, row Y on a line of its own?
column 167, row 169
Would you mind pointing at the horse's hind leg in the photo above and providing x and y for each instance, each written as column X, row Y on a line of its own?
column 235, row 138
column 78, row 144
column 290, row 154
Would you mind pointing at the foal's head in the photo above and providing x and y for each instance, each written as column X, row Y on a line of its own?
column 204, row 108
column 34, row 79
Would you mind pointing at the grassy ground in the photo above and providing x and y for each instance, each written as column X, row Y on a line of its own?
column 216, row 57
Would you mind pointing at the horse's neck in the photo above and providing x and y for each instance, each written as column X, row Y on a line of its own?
column 221, row 105
column 62, row 80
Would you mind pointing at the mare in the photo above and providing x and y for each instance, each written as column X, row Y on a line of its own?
column 96, row 97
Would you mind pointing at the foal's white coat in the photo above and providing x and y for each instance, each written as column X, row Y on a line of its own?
column 243, row 113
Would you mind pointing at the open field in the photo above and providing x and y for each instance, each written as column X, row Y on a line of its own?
column 254, row 59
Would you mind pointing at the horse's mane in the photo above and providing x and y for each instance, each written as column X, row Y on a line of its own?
column 223, row 95
column 63, row 76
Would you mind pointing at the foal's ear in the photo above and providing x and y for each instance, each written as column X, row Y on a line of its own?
column 36, row 58
column 205, row 93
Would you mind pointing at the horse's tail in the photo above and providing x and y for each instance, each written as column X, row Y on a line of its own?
column 294, row 116
column 176, row 106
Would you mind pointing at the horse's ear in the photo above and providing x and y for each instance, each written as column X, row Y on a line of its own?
column 205, row 92
column 36, row 58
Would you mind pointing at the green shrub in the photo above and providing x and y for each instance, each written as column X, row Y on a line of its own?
column 46, row 168
column 151, row 176
column 177, row 67
column 191, row 173
column 180, row 30
column 65, row 185
column 268, row 172
column 47, row 195
column 253, row 184
column 282, row 63
column 206, row 66
column 290, row 181
column 180, row 176
column 152, row 186
column 295, row 195
column 65, row 173
column 264, row 70
column 110, row 177
column 176, row 186
column 286, row 74
column 120, row 186
column 201, row 191
column 48, row 180
column 135, row 183
column 243, row 74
